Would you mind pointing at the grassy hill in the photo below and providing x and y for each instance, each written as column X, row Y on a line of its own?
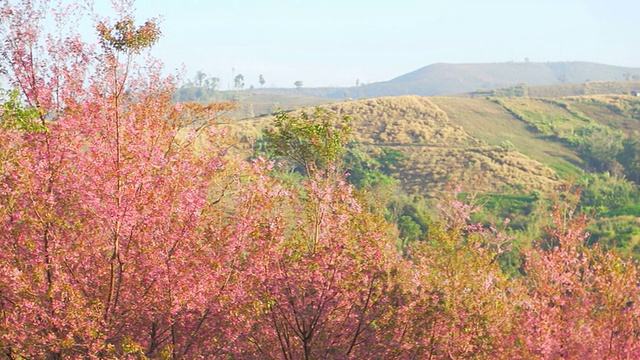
column 488, row 145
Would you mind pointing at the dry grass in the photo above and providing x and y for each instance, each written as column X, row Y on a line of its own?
column 490, row 122
column 616, row 111
column 430, row 170
column 402, row 120
column 477, row 142
column 470, row 150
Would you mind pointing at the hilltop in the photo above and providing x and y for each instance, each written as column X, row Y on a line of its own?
column 439, row 79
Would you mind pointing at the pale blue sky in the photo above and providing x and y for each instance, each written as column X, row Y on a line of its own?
column 335, row 42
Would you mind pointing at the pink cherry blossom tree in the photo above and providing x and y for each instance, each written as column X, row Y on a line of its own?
column 582, row 301
column 128, row 231
column 457, row 301
column 113, row 213
column 321, row 279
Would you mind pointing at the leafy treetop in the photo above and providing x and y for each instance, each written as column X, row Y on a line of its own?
column 124, row 37
column 311, row 141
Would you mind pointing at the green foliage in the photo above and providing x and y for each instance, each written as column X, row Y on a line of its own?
column 125, row 37
column 629, row 157
column 600, row 145
column 619, row 233
column 369, row 169
column 629, row 210
column 310, row 141
column 390, row 160
column 602, row 193
column 517, row 207
column 410, row 230
column 364, row 170
column 524, row 212
column 15, row 115
column 411, row 216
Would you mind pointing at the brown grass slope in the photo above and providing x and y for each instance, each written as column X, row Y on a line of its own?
column 487, row 144
column 438, row 151
column 488, row 121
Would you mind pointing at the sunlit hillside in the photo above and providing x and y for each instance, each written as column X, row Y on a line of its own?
column 488, row 144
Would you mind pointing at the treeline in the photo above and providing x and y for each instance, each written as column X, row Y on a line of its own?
column 130, row 230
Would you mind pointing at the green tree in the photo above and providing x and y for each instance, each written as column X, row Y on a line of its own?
column 601, row 146
column 238, row 81
column 364, row 169
column 200, row 76
column 14, row 115
column 409, row 230
column 261, row 80
column 298, row 84
column 309, row 141
column 211, row 83
column 604, row 192
column 629, row 157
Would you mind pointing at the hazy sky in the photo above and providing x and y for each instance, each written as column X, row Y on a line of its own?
column 335, row 42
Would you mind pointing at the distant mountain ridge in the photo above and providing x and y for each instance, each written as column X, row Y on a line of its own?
column 442, row 78
column 530, row 73
column 447, row 79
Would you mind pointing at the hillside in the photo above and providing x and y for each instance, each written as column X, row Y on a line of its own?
column 489, row 145
column 259, row 102
column 560, row 90
column 438, row 149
